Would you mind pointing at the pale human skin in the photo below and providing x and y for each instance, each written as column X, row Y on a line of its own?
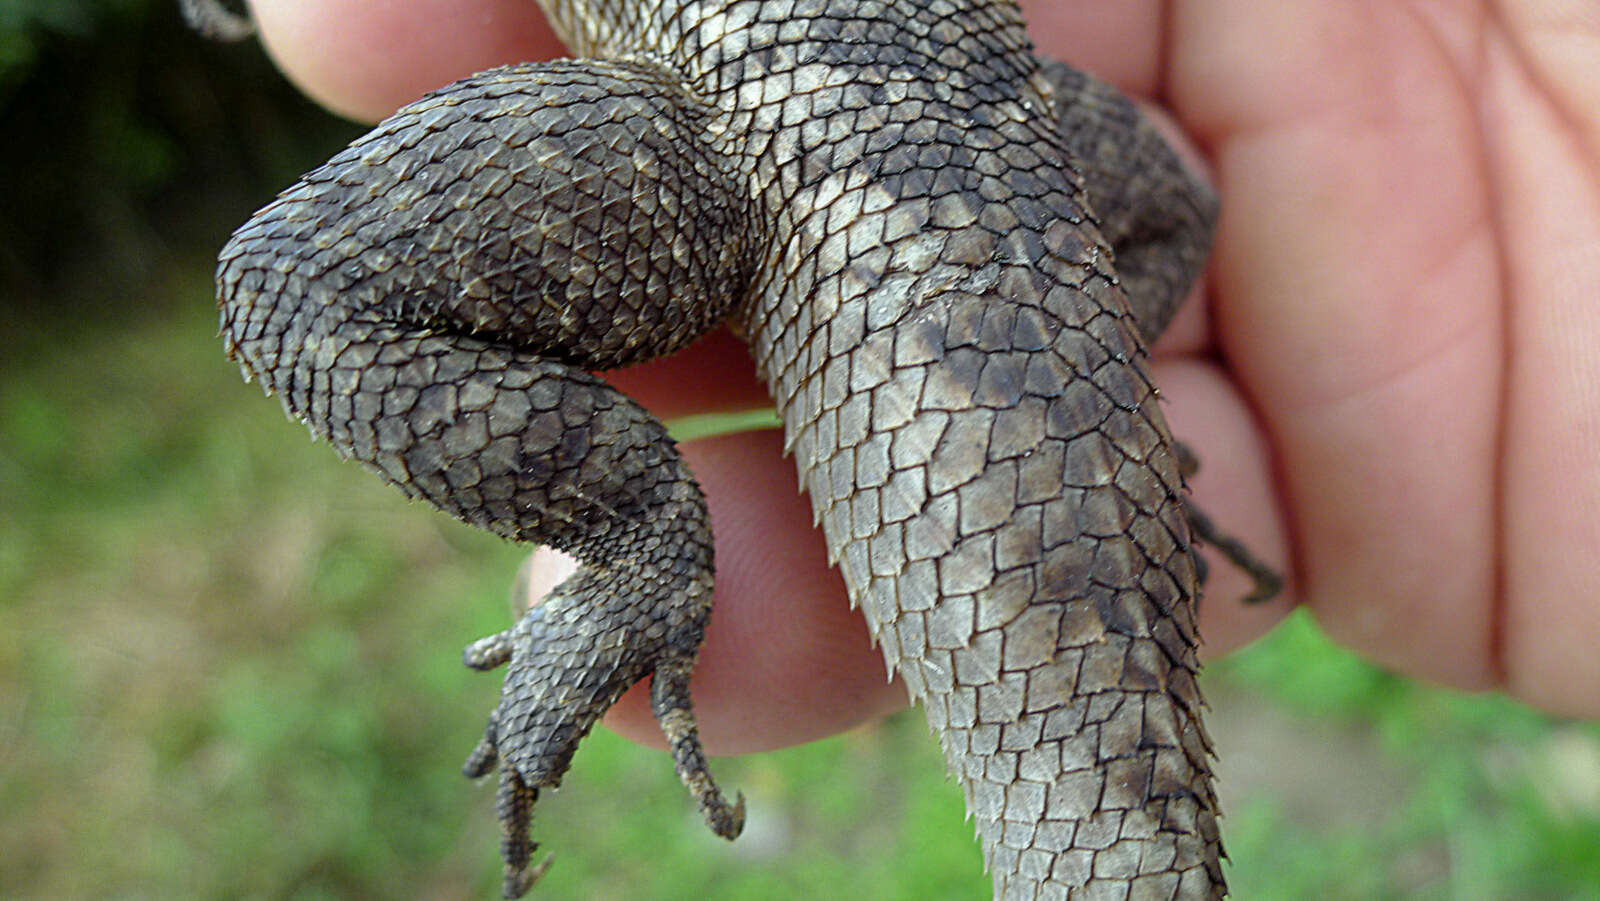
column 1391, row 373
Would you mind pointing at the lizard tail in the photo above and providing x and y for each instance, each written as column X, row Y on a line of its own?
column 1031, row 578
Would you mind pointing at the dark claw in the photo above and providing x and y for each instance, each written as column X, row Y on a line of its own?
column 727, row 821
column 517, row 884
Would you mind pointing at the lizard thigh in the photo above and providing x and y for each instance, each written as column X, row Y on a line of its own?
column 1157, row 216
column 429, row 299
column 575, row 210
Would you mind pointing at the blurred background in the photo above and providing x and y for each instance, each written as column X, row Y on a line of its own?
column 229, row 664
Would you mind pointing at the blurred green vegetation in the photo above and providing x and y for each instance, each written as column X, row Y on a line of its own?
column 229, row 663
column 127, row 140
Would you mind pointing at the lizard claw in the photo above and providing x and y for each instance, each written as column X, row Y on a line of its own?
column 517, row 883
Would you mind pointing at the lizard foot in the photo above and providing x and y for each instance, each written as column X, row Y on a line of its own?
column 565, row 666
column 1266, row 581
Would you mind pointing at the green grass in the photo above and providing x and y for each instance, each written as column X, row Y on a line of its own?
column 1461, row 797
column 229, row 669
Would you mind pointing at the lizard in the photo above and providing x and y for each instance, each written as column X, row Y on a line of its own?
column 948, row 257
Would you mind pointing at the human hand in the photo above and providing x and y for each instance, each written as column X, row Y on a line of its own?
column 1406, row 286
column 1388, row 375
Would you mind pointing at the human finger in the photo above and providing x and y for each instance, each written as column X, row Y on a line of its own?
column 363, row 59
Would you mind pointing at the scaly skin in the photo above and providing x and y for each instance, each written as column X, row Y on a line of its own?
column 914, row 222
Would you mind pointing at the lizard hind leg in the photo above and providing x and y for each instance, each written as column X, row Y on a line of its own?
column 432, row 302
column 1159, row 217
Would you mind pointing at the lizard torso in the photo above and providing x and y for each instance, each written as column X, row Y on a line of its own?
column 931, row 241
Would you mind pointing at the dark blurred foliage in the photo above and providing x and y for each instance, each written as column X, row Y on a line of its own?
column 128, row 139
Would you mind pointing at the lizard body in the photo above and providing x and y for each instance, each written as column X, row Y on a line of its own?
column 946, row 256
